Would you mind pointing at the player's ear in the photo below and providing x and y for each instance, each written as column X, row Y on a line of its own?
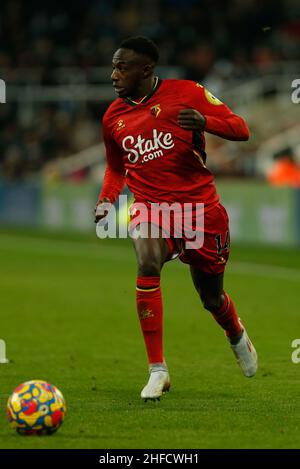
column 148, row 70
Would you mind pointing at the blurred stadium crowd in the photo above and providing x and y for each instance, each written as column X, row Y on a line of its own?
column 52, row 43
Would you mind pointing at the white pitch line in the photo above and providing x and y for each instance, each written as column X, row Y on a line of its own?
column 126, row 253
column 264, row 270
column 259, row 270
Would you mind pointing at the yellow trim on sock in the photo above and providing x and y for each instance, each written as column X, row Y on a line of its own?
column 147, row 289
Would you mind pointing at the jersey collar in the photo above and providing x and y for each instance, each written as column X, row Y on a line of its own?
column 146, row 98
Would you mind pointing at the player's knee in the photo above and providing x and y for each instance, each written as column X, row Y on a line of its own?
column 212, row 304
column 148, row 267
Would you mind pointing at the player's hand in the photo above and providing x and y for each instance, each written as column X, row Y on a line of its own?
column 101, row 209
column 190, row 119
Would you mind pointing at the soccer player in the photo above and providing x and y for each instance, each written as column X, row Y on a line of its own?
column 154, row 138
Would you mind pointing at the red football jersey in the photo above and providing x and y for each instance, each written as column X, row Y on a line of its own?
column 160, row 161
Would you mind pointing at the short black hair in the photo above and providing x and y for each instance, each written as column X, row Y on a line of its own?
column 141, row 45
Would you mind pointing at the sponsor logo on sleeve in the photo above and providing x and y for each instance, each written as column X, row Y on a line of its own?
column 211, row 98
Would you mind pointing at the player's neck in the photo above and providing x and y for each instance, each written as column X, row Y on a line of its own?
column 145, row 89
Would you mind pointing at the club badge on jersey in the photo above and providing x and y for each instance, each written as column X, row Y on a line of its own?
column 155, row 110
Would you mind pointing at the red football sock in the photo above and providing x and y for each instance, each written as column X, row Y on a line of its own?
column 150, row 311
column 227, row 318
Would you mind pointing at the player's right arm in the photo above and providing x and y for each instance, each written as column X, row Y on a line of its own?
column 114, row 176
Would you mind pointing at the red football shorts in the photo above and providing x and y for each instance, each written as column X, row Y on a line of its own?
column 209, row 252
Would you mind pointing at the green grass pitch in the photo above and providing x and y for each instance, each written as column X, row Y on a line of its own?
column 68, row 316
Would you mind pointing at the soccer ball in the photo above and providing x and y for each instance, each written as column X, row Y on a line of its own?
column 36, row 408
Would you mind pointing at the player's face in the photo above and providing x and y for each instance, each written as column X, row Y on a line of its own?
column 128, row 72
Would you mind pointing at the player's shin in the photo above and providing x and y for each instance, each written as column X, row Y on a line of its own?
column 240, row 343
column 150, row 311
column 228, row 319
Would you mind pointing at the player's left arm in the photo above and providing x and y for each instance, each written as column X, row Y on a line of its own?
column 213, row 116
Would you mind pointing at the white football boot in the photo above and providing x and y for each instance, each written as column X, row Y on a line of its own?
column 158, row 384
column 245, row 354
